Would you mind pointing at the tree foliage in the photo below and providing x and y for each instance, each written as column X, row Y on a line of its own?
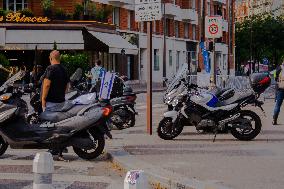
column 74, row 61
column 264, row 34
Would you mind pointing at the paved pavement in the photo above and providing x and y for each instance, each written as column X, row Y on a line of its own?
column 16, row 172
column 195, row 159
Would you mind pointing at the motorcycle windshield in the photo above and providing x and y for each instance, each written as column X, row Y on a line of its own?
column 76, row 75
column 181, row 73
column 11, row 80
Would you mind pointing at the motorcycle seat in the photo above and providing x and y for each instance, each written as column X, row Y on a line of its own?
column 238, row 96
column 60, row 114
column 61, row 107
column 218, row 91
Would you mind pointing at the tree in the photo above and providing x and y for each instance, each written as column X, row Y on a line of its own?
column 265, row 35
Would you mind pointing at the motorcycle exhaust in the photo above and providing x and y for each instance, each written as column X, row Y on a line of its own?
column 225, row 121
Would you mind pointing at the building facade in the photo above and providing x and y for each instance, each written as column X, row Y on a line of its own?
column 246, row 8
column 182, row 26
column 20, row 34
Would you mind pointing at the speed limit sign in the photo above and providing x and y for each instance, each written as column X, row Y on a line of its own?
column 213, row 27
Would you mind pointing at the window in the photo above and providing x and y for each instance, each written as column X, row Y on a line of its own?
column 194, row 32
column 170, row 57
column 115, row 16
column 156, row 60
column 177, row 29
column 15, row 5
column 167, row 27
column 193, row 4
column 129, row 20
column 208, row 9
column 177, row 60
column 185, row 30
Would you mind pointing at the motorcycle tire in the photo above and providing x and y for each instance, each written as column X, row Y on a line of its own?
column 3, row 146
column 251, row 135
column 169, row 133
column 92, row 155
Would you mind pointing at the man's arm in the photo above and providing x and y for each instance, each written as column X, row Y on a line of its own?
column 45, row 89
column 67, row 88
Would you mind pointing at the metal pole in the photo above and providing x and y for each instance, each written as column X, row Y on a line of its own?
column 213, row 76
column 165, row 43
column 149, row 81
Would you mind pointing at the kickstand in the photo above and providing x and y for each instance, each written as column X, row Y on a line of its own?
column 215, row 135
column 61, row 158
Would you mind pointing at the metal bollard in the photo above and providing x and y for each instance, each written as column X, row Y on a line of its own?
column 136, row 179
column 43, row 169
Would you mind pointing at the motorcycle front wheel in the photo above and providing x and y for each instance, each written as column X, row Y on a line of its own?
column 166, row 129
column 99, row 145
column 252, row 120
column 3, row 146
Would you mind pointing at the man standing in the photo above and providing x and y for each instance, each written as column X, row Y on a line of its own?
column 97, row 72
column 55, row 82
column 279, row 77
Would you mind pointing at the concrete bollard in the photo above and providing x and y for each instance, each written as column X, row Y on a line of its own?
column 43, row 168
column 136, row 179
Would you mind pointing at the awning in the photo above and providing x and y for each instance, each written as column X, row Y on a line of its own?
column 115, row 43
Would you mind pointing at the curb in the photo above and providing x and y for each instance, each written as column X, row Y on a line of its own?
column 159, row 178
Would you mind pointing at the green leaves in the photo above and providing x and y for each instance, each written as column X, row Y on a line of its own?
column 264, row 34
column 74, row 61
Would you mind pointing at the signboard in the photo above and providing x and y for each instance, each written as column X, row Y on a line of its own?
column 19, row 18
column 148, row 10
column 106, row 85
column 213, row 27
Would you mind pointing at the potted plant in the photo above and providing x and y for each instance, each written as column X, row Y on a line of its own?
column 47, row 7
column 79, row 10
column 27, row 13
column 60, row 14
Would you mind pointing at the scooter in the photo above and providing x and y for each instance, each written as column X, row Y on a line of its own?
column 81, row 126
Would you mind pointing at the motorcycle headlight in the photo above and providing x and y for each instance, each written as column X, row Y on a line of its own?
column 5, row 97
column 175, row 102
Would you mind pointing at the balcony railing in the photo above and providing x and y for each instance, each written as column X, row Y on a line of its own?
column 121, row 2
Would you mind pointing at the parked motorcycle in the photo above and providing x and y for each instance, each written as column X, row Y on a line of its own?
column 81, row 126
column 205, row 110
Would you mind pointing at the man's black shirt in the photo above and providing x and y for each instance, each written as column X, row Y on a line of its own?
column 59, row 80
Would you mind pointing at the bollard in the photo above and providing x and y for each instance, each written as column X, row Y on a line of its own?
column 43, row 169
column 136, row 179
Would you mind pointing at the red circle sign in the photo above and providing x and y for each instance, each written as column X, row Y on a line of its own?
column 213, row 29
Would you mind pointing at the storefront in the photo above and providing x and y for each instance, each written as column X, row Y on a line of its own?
column 19, row 40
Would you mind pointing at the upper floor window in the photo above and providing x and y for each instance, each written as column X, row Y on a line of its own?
column 193, row 4
column 194, row 32
column 177, row 29
column 115, row 16
column 15, row 5
column 208, row 9
column 186, row 30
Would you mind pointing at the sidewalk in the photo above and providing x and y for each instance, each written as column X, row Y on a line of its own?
column 194, row 161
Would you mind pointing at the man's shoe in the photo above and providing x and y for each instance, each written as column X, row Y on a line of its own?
column 274, row 122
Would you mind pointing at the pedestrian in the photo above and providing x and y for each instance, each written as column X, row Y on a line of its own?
column 55, row 82
column 35, row 75
column 96, row 73
column 279, row 78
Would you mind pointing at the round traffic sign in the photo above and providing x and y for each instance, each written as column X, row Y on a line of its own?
column 213, row 29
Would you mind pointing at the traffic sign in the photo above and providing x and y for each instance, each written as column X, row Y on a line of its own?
column 213, row 27
column 148, row 10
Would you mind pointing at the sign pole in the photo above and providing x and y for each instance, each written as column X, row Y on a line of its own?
column 213, row 77
column 149, row 81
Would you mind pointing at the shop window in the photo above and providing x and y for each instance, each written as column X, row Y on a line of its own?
column 15, row 5
column 156, row 60
column 170, row 58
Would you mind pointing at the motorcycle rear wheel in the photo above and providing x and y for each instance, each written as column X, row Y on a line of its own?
column 166, row 129
column 98, row 150
column 3, row 146
column 126, row 117
column 247, row 135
